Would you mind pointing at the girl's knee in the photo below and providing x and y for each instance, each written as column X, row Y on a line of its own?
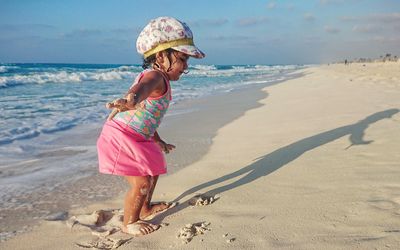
column 141, row 183
column 144, row 188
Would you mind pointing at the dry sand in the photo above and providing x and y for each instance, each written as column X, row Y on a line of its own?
column 315, row 166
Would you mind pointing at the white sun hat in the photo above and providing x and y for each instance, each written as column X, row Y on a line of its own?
column 167, row 32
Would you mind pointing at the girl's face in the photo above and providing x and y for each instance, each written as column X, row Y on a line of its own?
column 176, row 64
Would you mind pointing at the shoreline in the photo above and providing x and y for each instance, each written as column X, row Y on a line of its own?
column 48, row 201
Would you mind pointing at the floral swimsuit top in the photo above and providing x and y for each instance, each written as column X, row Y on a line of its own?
column 147, row 117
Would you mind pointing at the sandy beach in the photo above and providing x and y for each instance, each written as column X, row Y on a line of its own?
column 307, row 163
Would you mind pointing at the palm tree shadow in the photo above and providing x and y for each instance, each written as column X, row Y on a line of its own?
column 280, row 157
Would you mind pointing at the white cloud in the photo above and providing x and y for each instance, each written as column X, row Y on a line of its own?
column 209, row 22
column 230, row 38
column 26, row 27
column 385, row 17
column 309, row 17
column 349, row 18
column 331, row 30
column 385, row 39
column 374, row 23
column 325, row 2
column 252, row 21
column 366, row 28
column 271, row 5
column 374, row 18
column 83, row 33
column 290, row 6
column 126, row 30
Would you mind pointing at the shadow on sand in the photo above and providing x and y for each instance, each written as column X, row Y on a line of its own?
column 280, row 157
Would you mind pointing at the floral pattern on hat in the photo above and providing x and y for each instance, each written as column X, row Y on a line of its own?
column 166, row 29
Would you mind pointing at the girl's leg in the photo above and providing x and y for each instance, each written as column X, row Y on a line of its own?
column 148, row 208
column 153, row 183
column 134, row 200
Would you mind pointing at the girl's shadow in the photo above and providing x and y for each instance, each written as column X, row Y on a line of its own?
column 280, row 157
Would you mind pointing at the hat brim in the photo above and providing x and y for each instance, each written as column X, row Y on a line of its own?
column 190, row 50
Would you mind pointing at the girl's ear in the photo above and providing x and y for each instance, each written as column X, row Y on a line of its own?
column 160, row 57
column 159, row 60
column 163, row 61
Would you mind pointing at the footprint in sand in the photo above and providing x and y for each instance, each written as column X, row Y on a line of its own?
column 396, row 200
column 104, row 224
column 202, row 200
column 189, row 231
column 105, row 243
column 383, row 204
column 101, row 223
column 98, row 219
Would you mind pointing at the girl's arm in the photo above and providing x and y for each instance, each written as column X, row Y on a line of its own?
column 164, row 146
column 151, row 85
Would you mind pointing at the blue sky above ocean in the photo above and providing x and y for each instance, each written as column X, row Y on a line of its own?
column 230, row 32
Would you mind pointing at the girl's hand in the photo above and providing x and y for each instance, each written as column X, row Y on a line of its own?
column 122, row 104
column 165, row 147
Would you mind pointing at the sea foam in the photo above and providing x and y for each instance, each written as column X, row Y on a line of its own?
column 64, row 77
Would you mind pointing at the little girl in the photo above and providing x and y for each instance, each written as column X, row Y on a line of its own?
column 129, row 144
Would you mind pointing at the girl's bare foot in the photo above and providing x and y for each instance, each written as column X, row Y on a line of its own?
column 154, row 209
column 140, row 228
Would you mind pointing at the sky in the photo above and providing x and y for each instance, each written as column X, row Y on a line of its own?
column 228, row 31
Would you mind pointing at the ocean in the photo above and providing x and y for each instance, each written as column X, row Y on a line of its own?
column 49, row 112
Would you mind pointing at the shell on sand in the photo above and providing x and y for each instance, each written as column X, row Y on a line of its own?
column 202, row 200
column 190, row 230
column 230, row 240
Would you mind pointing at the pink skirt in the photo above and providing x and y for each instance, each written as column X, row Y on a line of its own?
column 123, row 151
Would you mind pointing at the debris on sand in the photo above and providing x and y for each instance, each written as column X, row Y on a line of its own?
column 202, row 200
column 191, row 230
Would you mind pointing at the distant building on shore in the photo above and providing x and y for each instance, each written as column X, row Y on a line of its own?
column 386, row 58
